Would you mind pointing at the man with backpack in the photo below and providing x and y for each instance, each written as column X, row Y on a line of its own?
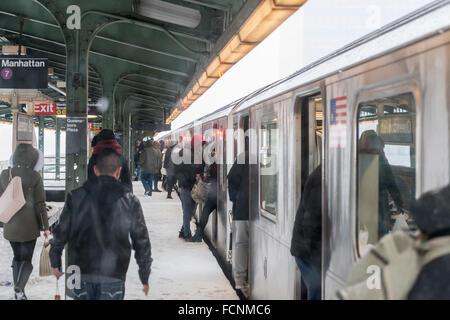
column 407, row 266
column 101, row 223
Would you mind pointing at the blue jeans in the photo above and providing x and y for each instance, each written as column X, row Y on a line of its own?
column 100, row 291
column 311, row 277
column 138, row 172
column 147, row 182
column 188, row 206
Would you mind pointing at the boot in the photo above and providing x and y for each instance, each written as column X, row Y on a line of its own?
column 197, row 236
column 169, row 196
column 15, row 270
column 25, row 269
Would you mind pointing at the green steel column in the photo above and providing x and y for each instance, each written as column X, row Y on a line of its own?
column 41, row 140
column 41, row 133
column 126, row 142
column 57, row 148
column 108, row 95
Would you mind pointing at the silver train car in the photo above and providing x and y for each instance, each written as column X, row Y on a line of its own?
column 392, row 84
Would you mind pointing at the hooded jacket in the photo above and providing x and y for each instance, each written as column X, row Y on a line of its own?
column 238, row 187
column 32, row 218
column 101, row 145
column 150, row 159
column 101, row 223
column 307, row 234
column 431, row 213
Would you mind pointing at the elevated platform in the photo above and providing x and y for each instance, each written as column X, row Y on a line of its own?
column 181, row 271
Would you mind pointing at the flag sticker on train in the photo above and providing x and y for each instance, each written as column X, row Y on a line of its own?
column 338, row 122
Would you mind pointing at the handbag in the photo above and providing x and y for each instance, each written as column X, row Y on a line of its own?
column 199, row 192
column 45, row 267
column 12, row 199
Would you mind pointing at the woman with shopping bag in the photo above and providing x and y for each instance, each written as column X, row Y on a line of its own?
column 24, row 227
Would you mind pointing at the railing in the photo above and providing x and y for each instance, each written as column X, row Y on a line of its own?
column 54, row 174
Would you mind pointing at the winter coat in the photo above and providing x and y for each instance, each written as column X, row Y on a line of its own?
column 125, row 176
column 307, row 234
column 150, row 159
column 168, row 163
column 32, row 218
column 186, row 172
column 137, row 152
column 101, row 223
column 431, row 213
column 238, row 188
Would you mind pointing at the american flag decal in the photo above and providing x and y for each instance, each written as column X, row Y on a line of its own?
column 338, row 122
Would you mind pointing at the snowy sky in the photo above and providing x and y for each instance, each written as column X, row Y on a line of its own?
column 316, row 29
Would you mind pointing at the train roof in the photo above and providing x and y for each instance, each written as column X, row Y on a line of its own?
column 424, row 22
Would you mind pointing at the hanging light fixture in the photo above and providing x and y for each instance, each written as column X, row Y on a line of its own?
column 168, row 12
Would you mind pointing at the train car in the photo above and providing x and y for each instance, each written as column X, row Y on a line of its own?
column 375, row 114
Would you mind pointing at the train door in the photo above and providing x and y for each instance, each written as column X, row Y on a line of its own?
column 209, row 132
column 308, row 149
column 241, row 146
column 222, row 216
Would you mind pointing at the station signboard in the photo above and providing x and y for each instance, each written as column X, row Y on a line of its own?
column 45, row 108
column 76, row 131
column 22, row 72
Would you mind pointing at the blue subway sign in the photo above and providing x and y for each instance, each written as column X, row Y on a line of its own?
column 22, row 72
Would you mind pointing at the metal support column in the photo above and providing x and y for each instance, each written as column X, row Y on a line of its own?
column 109, row 115
column 41, row 132
column 57, row 149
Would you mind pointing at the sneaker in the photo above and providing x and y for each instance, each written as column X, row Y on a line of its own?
column 20, row 295
column 156, row 190
column 169, row 196
column 145, row 193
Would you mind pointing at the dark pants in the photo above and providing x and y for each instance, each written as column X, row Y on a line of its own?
column 311, row 277
column 156, row 179
column 100, row 291
column 23, row 251
column 171, row 179
column 188, row 206
column 210, row 206
column 147, row 182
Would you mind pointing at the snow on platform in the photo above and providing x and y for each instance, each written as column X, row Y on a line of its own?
column 180, row 270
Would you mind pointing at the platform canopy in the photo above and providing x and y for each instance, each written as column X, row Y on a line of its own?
column 148, row 59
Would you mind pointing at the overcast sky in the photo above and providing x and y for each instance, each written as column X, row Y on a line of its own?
column 316, row 29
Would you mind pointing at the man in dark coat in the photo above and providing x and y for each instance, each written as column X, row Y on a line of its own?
column 170, row 170
column 137, row 151
column 306, row 241
column 150, row 161
column 431, row 213
column 106, row 139
column 187, row 174
column 101, row 223
column 238, row 189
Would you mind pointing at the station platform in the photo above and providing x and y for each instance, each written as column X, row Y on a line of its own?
column 180, row 270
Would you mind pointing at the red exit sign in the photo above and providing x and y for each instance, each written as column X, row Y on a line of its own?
column 44, row 108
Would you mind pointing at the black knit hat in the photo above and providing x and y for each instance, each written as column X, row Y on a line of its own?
column 431, row 211
column 105, row 134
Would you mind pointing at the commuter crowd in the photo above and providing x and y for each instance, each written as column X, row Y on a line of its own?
column 102, row 222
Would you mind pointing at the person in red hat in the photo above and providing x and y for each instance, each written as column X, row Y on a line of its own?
column 107, row 140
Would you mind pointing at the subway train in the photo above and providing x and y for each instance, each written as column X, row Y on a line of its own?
column 392, row 84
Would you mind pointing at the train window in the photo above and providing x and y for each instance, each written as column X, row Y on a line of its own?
column 386, row 166
column 268, row 171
